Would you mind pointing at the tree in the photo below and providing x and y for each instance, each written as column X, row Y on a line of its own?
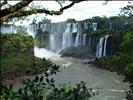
column 127, row 11
column 18, row 10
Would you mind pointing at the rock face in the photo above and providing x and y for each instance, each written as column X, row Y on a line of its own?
column 78, row 52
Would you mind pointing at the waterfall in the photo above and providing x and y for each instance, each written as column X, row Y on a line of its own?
column 67, row 37
column 8, row 28
column 84, row 39
column 32, row 30
column 110, row 26
column 99, row 52
column 105, row 45
column 94, row 25
column 77, row 40
column 85, row 26
column 74, row 27
column 102, row 46
column 89, row 41
column 43, row 27
column 52, row 42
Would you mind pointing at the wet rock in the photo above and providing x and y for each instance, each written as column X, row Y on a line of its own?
column 77, row 52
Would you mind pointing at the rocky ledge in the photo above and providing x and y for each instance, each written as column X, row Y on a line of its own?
column 78, row 52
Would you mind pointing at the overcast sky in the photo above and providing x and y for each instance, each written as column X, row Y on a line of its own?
column 83, row 10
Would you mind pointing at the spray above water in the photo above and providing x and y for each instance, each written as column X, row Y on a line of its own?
column 52, row 42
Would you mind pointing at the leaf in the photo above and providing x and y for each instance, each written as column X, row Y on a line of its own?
column 23, row 82
column 36, row 79
column 41, row 79
column 25, row 92
column 47, row 80
column 20, row 91
column 11, row 86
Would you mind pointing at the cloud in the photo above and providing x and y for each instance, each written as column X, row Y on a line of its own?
column 89, row 9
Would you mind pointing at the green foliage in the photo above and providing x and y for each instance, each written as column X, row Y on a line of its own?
column 122, row 61
column 71, row 21
column 45, row 21
column 129, row 71
column 127, row 11
column 14, row 61
column 41, row 38
column 130, row 94
column 127, row 44
column 99, row 32
column 22, row 31
column 16, row 43
column 64, row 92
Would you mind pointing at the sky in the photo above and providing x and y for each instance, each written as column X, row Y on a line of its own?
column 80, row 11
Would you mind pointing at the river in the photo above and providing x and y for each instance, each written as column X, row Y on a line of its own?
column 73, row 71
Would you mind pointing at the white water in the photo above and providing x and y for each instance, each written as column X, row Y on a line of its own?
column 84, row 39
column 52, row 42
column 99, row 52
column 105, row 45
column 85, row 26
column 73, row 71
column 41, row 53
column 32, row 29
column 94, row 25
column 77, row 40
column 74, row 27
column 102, row 47
column 62, row 35
column 67, row 37
column 8, row 29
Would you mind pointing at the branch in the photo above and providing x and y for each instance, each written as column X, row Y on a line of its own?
column 14, row 8
column 3, row 3
column 20, row 13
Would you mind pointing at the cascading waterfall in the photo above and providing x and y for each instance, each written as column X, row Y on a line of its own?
column 89, row 41
column 99, row 52
column 8, row 29
column 110, row 26
column 105, row 45
column 94, row 25
column 102, row 46
column 67, row 37
column 52, row 42
column 64, row 35
column 84, row 39
column 32, row 30
column 85, row 26
column 74, row 27
column 77, row 40
column 43, row 27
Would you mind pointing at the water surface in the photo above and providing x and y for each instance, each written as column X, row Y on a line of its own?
column 73, row 71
